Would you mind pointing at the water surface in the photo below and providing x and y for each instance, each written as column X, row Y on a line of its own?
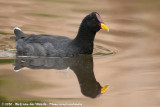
column 127, row 58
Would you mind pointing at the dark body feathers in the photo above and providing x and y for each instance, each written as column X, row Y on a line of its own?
column 59, row 46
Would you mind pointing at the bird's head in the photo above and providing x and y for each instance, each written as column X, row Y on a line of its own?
column 95, row 22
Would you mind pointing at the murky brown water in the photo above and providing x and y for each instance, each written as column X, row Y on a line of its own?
column 132, row 73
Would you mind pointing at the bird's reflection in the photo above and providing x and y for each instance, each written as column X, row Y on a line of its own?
column 81, row 65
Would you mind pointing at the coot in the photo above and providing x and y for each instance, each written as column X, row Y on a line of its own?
column 61, row 46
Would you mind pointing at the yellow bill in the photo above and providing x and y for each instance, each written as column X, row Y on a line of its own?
column 103, row 26
column 104, row 89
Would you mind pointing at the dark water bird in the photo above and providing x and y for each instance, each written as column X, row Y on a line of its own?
column 61, row 46
column 82, row 66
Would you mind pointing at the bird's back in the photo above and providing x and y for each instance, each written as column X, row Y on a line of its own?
column 41, row 45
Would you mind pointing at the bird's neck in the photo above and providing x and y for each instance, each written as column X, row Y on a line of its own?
column 84, row 39
column 85, row 35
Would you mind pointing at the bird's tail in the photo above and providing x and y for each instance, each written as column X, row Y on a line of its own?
column 18, row 34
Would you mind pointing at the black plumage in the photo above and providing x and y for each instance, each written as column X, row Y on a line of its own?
column 60, row 46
